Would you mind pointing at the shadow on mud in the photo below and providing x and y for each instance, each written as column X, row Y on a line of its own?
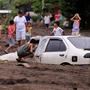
column 14, row 81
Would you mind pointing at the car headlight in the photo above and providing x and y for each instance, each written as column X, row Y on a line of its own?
column 87, row 55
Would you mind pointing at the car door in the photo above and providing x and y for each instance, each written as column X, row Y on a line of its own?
column 55, row 52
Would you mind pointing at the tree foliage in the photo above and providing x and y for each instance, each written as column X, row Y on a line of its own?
column 4, row 4
column 20, row 2
column 37, row 5
column 68, row 7
column 49, row 5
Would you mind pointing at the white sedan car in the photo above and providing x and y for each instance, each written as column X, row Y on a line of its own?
column 63, row 50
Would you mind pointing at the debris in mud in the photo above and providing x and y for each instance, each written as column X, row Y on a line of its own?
column 74, row 88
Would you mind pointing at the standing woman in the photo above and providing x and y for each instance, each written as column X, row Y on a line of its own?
column 76, row 24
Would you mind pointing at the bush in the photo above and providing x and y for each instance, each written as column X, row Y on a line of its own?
column 35, row 18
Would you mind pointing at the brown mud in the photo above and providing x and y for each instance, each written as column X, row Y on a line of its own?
column 42, row 76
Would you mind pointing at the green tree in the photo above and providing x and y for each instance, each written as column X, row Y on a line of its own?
column 70, row 7
column 49, row 5
column 1, row 4
column 20, row 2
column 4, row 4
column 37, row 5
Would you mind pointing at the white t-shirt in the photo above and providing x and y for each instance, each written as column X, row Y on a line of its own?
column 20, row 23
column 57, row 31
column 46, row 19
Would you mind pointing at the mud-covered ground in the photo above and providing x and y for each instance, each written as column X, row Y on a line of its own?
column 41, row 76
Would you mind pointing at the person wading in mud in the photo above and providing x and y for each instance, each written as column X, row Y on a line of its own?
column 26, row 50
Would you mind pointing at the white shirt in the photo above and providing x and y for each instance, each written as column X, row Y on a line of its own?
column 20, row 23
column 46, row 19
column 58, row 31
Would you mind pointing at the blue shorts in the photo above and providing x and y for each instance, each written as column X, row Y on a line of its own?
column 11, row 41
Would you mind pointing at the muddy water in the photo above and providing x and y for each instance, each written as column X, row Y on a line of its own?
column 44, row 77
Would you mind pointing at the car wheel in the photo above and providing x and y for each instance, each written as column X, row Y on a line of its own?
column 65, row 63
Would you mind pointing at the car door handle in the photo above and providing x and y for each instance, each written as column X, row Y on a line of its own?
column 61, row 55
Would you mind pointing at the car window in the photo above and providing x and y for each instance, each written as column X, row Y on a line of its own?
column 41, row 47
column 80, row 42
column 55, row 45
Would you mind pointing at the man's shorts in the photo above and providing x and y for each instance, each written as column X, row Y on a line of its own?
column 20, row 35
column 23, row 50
column 47, row 25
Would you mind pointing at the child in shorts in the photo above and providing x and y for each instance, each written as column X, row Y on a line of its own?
column 76, row 24
column 11, row 40
column 29, row 31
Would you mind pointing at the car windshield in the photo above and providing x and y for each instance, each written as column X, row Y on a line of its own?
column 80, row 42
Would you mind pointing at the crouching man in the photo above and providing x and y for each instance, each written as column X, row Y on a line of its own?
column 27, row 50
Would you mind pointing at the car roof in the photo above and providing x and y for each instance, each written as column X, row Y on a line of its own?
column 46, row 37
column 62, row 36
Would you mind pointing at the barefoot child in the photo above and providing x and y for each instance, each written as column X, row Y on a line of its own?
column 29, row 31
column 11, row 30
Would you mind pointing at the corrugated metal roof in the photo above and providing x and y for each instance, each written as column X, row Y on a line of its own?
column 5, row 11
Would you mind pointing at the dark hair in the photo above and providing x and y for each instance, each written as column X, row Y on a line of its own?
column 11, row 22
column 57, row 23
column 20, row 12
column 34, row 41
